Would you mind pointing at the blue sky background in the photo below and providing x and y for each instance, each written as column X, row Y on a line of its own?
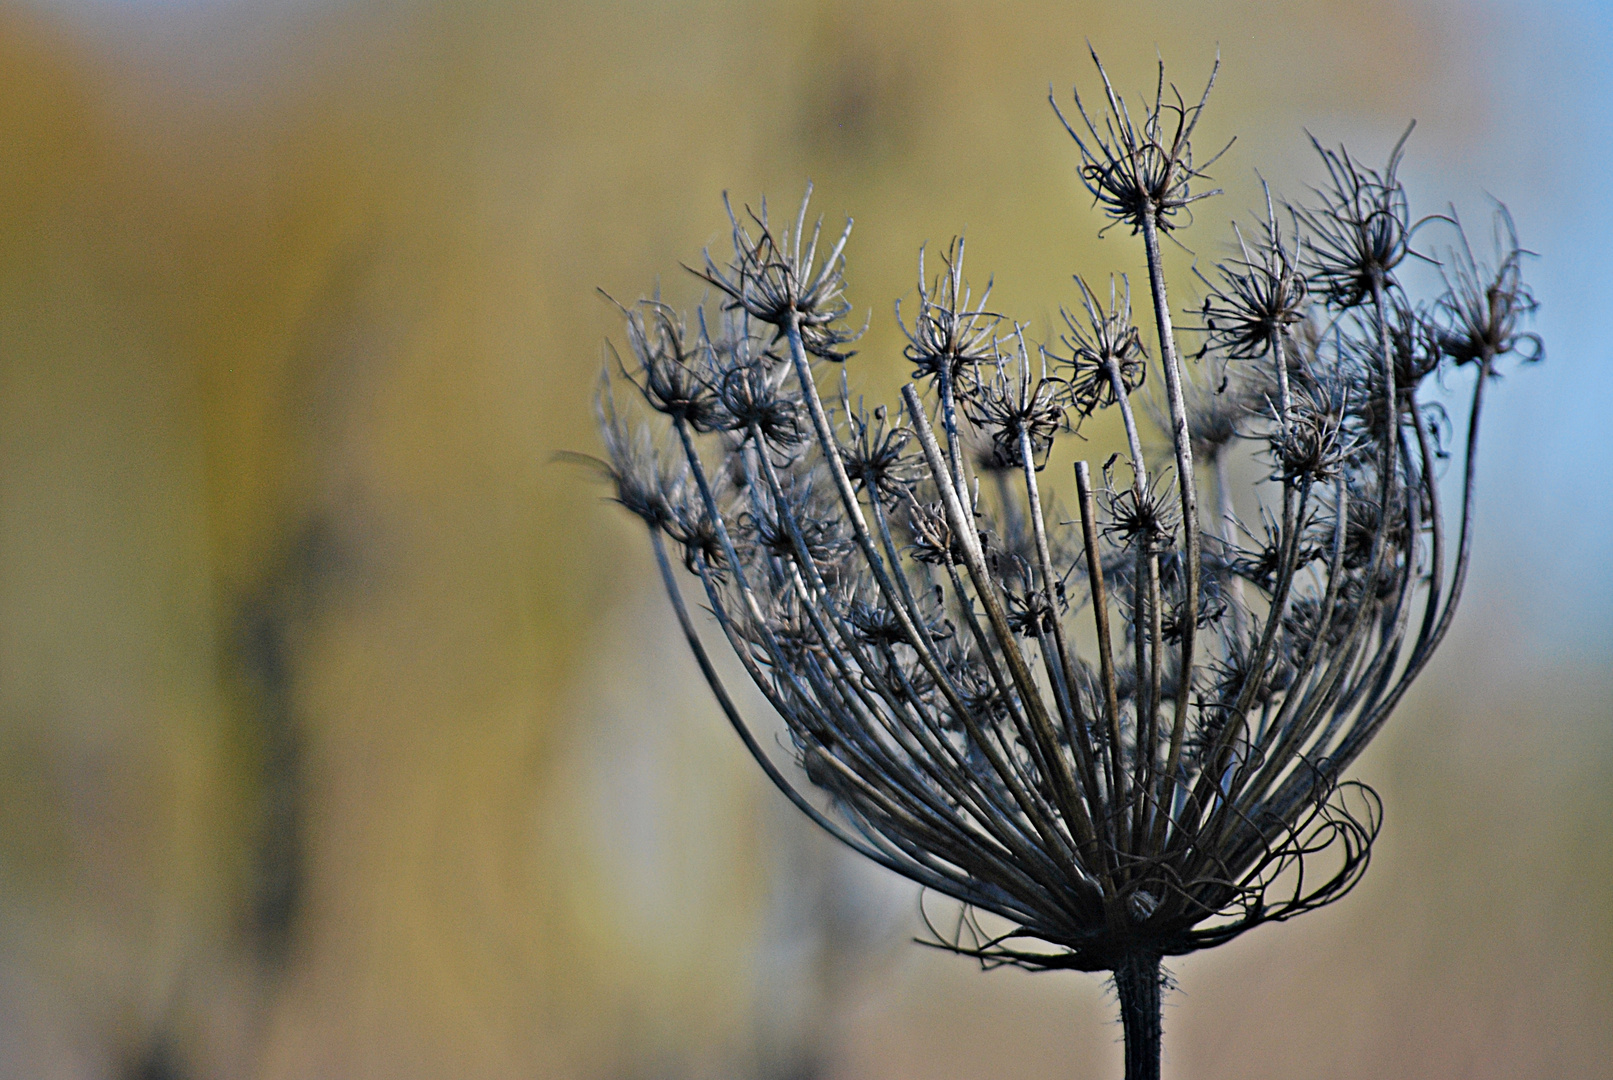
column 1546, row 510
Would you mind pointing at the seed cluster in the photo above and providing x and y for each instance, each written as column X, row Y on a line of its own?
column 1123, row 733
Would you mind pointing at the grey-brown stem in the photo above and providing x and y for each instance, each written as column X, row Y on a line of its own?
column 1189, row 490
column 1140, row 990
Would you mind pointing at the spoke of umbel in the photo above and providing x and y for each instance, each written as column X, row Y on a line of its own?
column 908, row 594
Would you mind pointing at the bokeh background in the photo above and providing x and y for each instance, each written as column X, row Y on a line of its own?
column 343, row 733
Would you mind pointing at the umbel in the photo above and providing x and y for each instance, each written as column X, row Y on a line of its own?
column 1119, row 730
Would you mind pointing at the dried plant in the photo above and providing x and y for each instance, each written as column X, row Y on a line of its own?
column 1123, row 735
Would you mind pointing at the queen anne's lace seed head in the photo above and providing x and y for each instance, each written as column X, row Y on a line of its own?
column 878, row 454
column 1019, row 408
column 1107, row 359
column 772, row 278
column 1142, row 169
column 1261, row 294
column 1360, row 226
column 951, row 334
column 1122, row 741
column 1482, row 313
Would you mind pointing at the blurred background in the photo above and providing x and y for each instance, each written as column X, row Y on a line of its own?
column 345, row 734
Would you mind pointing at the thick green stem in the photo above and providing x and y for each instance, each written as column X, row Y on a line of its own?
column 1140, row 989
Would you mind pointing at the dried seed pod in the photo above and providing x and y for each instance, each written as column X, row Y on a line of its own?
column 1019, row 411
column 920, row 641
column 950, row 334
column 1360, row 227
column 1107, row 358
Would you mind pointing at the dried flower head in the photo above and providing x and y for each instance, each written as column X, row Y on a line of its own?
column 878, row 454
column 1178, row 781
column 1261, row 293
column 751, row 384
column 1483, row 309
column 1360, row 226
column 1019, row 409
column 673, row 374
column 950, row 334
column 1141, row 514
column 772, row 279
column 1107, row 358
column 1141, row 172
column 1215, row 412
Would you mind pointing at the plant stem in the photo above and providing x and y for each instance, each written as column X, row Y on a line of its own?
column 1100, row 614
column 1171, row 364
column 1138, row 985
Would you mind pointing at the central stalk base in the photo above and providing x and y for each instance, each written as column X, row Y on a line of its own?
column 1139, row 987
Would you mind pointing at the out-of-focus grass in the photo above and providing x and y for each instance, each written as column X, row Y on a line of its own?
column 326, row 747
